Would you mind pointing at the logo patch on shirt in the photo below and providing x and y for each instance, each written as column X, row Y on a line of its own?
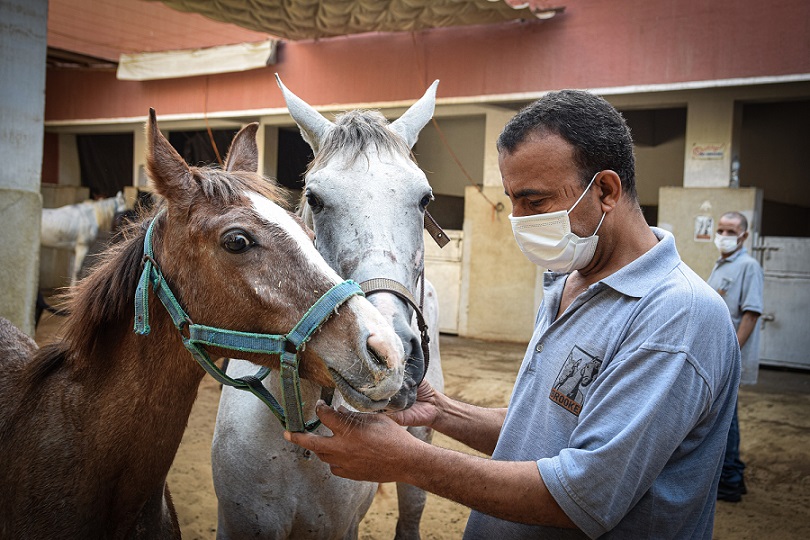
column 578, row 371
column 724, row 286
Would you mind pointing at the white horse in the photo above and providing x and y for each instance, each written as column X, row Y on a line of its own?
column 365, row 198
column 76, row 227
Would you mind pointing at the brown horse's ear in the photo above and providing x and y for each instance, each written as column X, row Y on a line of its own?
column 169, row 172
column 244, row 153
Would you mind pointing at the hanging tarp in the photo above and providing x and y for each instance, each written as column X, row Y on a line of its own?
column 193, row 62
column 313, row 19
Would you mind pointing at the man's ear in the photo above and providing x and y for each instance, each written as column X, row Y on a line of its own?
column 610, row 189
column 745, row 236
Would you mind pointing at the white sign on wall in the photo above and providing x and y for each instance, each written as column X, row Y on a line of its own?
column 704, row 227
column 708, row 151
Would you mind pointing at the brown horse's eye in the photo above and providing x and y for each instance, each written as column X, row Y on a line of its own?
column 237, row 241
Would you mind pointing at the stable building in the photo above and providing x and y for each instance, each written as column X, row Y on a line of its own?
column 717, row 100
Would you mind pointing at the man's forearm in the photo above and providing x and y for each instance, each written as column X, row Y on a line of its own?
column 514, row 490
column 477, row 427
column 747, row 325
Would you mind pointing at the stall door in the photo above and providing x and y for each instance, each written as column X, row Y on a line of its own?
column 785, row 338
column 443, row 269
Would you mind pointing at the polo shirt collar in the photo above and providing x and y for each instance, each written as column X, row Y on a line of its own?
column 737, row 254
column 640, row 276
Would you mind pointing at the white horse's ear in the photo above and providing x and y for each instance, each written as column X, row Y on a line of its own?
column 313, row 125
column 243, row 154
column 416, row 117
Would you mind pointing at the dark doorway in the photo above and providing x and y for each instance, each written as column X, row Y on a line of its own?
column 197, row 148
column 773, row 153
column 106, row 162
column 659, row 138
column 294, row 154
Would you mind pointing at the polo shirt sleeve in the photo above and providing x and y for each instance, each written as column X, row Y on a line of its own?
column 752, row 286
column 631, row 425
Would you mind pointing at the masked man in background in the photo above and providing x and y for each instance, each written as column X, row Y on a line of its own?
column 619, row 415
column 737, row 277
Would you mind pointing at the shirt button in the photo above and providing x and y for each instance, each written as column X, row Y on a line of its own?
column 539, row 347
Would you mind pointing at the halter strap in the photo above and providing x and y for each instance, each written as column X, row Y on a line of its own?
column 286, row 346
column 371, row 286
column 435, row 230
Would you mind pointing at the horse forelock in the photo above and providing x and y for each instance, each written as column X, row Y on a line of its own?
column 353, row 134
column 225, row 188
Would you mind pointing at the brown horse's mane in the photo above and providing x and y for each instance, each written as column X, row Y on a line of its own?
column 101, row 306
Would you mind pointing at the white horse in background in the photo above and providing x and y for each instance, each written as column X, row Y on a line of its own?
column 365, row 198
column 76, row 226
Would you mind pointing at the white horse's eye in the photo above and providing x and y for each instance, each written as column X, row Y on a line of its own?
column 237, row 241
column 426, row 200
column 314, row 202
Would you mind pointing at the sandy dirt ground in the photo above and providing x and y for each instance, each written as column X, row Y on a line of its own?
column 774, row 419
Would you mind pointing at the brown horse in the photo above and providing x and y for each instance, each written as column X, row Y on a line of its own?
column 90, row 424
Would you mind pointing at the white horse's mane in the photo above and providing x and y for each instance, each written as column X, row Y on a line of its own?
column 353, row 133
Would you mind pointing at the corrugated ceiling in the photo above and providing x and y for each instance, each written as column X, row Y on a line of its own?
column 89, row 32
column 313, row 19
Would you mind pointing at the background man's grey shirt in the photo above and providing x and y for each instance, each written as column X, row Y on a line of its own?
column 739, row 281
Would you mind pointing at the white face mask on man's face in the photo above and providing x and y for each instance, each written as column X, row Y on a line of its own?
column 726, row 244
column 547, row 240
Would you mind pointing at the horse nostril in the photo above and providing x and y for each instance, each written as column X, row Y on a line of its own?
column 384, row 349
column 416, row 348
column 375, row 356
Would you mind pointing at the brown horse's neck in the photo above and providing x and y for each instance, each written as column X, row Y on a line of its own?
column 117, row 419
column 159, row 380
column 149, row 385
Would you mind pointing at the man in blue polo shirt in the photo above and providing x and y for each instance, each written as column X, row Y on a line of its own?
column 619, row 415
column 737, row 277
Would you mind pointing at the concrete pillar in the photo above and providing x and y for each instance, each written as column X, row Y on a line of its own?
column 691, row 212
column 23, row 51
column 498, row 298
column 495, row 120
column 70, row 170
column 710, row 119
column 267, row 141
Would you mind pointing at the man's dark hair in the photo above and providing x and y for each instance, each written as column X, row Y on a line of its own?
column 739, row 217
column 597, row 131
